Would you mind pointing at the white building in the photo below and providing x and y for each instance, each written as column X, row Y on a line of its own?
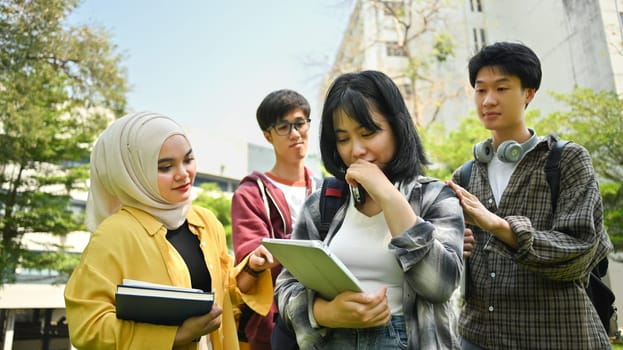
column 580, row 43
column 375, row 39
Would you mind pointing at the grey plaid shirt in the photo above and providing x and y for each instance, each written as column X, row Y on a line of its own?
column 430, row 254
column 534, row 297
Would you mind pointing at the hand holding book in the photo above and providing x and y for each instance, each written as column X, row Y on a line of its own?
column 160, row 304
column 194, row 327
column 313, row 264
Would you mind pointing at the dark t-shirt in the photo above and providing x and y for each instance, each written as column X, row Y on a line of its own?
column 187, row 244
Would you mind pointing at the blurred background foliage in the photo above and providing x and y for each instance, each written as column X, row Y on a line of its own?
column 591, row 119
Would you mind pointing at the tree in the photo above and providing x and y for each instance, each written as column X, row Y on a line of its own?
column 423, row 41
column 449, row 149
column 595, row 120
column 414, row 37
column 60, row 86
column 213, row 198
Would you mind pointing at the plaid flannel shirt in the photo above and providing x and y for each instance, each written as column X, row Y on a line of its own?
column 430, row 254
column 534, row 297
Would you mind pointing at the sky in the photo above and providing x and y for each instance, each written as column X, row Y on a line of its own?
column 208, row 63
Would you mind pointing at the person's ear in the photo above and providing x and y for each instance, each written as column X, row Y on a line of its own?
column 530, row 92
column 268, row 136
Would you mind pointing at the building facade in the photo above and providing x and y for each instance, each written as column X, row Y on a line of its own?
column 578, row 41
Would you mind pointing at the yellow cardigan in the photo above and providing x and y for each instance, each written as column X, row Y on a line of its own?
column 132, row 244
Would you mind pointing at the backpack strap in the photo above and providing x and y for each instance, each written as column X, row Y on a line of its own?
column 552, row 171
column 332, row 196
column 465, row 174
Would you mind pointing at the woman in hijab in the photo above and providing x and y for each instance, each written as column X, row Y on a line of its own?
column 145, row 228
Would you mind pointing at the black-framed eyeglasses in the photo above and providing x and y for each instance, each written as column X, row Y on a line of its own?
column 285, row 128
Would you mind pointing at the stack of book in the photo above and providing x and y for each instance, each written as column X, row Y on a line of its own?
column 160, row 304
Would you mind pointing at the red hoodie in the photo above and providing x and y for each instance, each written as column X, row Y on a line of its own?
column 250, row 224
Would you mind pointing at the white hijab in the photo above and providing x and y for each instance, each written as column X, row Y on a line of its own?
column 124, row 170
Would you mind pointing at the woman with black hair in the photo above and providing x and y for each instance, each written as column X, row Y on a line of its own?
column 404, row 241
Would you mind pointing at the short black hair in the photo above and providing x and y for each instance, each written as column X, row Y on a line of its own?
column 511, row 58
column 277, row 104
column 355, row 94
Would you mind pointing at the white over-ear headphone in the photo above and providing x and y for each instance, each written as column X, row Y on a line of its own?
column 509, row 151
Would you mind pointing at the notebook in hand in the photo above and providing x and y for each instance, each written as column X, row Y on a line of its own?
column 313, row 264
column 160, row 304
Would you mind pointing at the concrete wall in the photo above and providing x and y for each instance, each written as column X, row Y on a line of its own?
column 568, row 35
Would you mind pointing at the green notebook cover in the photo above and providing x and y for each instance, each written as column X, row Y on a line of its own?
column 313, row 264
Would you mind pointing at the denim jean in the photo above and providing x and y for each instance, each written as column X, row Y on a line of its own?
column 391, row 336
column 465, row 345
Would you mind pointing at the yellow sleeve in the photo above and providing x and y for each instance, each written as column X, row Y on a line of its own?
column 261, row 297
column 93, row 323
column 112, row 254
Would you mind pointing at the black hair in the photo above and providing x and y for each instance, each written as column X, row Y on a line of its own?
column 510, row 58
column 277, row 105
column 355, row 94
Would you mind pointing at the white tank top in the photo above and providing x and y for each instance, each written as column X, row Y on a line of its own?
column 362, row 244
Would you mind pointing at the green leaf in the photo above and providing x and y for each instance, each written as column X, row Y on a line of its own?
column 60, row 86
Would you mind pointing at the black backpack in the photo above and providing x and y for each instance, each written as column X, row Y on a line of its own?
column 601, row 296
column 331, row 199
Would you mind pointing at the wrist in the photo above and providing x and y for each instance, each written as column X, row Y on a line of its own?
column 252, row 272
column 390, row 199
column 318, row 311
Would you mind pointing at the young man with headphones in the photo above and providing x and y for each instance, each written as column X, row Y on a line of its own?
column 527, row 271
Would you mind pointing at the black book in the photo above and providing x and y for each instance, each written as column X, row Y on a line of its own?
column 160, row 304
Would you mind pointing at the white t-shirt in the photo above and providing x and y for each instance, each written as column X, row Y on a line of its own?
column 295, row 193
column 499, row 174
column 362, row 245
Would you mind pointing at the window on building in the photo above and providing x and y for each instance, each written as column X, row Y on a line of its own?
column 40, row 326
column 476, row 44
column 391, row 8
column 483, row 38
column 475, row 5
column 480, row 39
column 394, row 49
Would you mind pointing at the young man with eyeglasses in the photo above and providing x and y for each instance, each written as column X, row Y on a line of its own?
column 267, row 204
